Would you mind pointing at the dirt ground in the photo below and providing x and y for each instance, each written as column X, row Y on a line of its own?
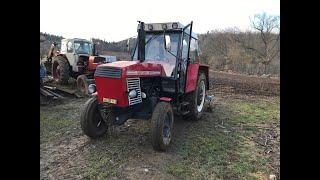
column 238, row 139
column 243, row 84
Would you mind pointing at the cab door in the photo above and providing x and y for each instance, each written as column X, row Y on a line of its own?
column 193, row 66
column 71, row 55
column 185, row 57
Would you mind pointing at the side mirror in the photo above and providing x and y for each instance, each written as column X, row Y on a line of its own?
column 167, row 43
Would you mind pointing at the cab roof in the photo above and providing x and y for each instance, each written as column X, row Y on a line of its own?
column 75, row 39
column 168, row 26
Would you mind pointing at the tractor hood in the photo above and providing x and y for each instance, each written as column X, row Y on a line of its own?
column 136, row 69
column 112, row 79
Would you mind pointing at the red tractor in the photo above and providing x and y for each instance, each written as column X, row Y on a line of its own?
column 163, row 79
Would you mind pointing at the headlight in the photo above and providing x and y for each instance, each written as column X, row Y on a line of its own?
column 175, row 25
column 150, row 27
column 92, row 88
column 164, row 26
column 133, row 93
column 143, row 95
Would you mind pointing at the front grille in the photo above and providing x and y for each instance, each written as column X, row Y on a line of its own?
column 134, row 84
column 106, row 71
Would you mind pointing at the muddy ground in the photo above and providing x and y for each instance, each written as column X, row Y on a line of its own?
column 239, row 139
column 243, row 84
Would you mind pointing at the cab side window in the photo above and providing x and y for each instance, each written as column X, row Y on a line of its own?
column 194, row 53
column 63, row 47
column 69, row 47
column 194, row 49
column 185, row 45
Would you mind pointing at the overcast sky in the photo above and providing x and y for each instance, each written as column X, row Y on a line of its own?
column 115, row 20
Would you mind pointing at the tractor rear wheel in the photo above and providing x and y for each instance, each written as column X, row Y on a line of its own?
column 60, row 69
column 197, row 98
column 92, row 123
column 82, row 84
column 162, row 124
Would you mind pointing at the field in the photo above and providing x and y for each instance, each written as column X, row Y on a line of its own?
column 238, row 138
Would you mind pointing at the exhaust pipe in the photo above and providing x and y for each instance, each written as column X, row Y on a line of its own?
column 141, row 42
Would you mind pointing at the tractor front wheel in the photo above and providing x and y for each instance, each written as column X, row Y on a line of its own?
column 92, row 123
column 162, row 124
column 60, row 69
column 82, row 84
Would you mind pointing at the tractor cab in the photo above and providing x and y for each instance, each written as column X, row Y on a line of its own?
column 77, row 51
column 167, row 44
column 76, row 46
column 172, row 45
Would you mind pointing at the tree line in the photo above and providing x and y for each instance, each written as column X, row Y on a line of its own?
column 253, row 52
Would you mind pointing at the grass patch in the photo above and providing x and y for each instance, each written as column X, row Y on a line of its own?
column 55, row 123
column 105, row 158
column 209, row 152
column 52, row 129
column 178, row 169
column 99, row 168
column 258, row 112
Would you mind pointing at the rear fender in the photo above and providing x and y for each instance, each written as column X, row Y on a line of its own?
column 205, row 69
column 192, row 76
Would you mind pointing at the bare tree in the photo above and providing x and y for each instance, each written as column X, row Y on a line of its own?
column 268, row 26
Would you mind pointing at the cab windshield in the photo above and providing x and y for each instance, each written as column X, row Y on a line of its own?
column 82, row 47
column 155, row 51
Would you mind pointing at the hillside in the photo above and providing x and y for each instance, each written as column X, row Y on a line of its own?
column 222, row 50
